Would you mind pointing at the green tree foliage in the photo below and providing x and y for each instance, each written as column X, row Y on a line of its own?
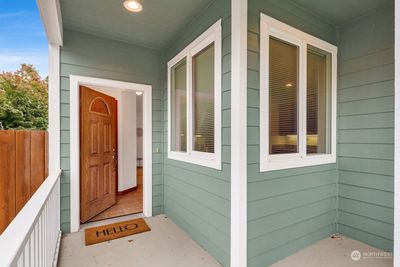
column 23, row 99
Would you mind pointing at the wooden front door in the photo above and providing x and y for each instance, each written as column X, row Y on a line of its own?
column 98, row 150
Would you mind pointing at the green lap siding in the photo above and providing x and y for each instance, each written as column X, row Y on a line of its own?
column 287, row 209
column 89, row 55
column 195, row 197
column 366, row 129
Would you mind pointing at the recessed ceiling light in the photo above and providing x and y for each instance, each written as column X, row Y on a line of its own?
column 289, row 85
column 139, row 93
column 133, row 5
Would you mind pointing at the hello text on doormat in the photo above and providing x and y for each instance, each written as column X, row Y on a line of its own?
column 104, row 233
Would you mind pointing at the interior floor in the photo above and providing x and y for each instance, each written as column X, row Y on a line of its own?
column 128, row 203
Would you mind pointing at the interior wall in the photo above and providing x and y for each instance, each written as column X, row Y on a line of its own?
column 128, row 143
column 195, row 197
column 93, row 56
column 366, row 129
column 287, row 209
column 127, row 119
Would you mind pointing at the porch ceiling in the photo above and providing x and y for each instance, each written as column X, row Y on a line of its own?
column 338, row 12
column 154, row 27
column 161, row 20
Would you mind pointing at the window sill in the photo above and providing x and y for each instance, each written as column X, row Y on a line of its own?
column 209, row 161
column 283, row 163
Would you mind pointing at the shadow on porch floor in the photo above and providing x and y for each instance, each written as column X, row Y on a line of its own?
column 165, row 245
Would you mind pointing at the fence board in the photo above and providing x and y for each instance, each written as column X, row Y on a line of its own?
column 23, row 172
column 46, row 153
column 38, row 158
column 23, row 168
column 7, row 178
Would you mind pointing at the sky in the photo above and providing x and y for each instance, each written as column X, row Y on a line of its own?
column 22, row 36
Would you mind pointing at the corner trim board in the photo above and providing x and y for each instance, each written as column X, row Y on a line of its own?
column 238, row 249
column 54, row 109
column 396, row 249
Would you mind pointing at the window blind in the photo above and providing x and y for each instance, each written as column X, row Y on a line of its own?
column 178, row 107
column 203, row 100
column 318, row 124
column 283, row 97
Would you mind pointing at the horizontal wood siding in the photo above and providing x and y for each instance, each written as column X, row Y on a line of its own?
column 366, row 129
column 287, row 209
column 195, row 197
column 89, row 55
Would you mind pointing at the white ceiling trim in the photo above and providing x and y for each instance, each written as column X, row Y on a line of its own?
column 50, row 13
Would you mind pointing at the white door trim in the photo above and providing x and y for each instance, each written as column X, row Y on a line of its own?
column 75, row 83
column 239, row 134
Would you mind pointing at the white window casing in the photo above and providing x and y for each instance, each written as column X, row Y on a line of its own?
column 273, row 28
column 212, row 35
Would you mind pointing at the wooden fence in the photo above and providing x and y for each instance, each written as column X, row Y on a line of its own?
column 23, row 168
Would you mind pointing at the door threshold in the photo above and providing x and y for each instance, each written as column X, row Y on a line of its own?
column 110, row 221
column 113, row 216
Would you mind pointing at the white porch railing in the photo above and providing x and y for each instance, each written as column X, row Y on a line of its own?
column 33, row 236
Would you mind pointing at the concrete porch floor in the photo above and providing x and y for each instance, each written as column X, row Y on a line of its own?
column 165, row 245
column 332, row 252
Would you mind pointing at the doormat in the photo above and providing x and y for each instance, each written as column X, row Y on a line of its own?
column 108, row 232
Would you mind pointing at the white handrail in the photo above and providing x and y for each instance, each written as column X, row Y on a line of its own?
column 31, row 238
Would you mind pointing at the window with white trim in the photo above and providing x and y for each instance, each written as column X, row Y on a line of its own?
column 194, row 101
column 298, row 75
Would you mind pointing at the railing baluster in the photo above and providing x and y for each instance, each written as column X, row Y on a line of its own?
column 37, row 260
column 39, row 244
column 45, row 236
column 20, row 261
column 41, row 239
column 51, row 233
column 31, row 250
column 27, row 253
